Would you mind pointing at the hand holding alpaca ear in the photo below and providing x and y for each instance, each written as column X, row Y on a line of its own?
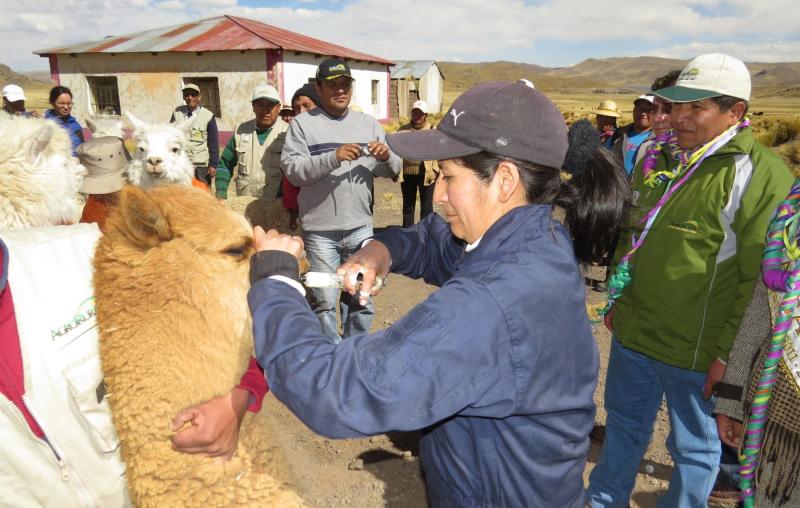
column 211, row 428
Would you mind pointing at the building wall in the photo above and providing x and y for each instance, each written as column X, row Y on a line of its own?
column 431, row 89
column 298, row 68
column 150, row 85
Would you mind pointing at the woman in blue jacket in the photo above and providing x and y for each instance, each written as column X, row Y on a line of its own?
column 61, row 100
column 498, row 365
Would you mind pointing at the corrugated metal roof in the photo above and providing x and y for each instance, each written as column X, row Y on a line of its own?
column 414, row 68
column 223, row 33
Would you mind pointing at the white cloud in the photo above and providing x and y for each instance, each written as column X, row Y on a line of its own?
column 467, row 30
column 764, row 52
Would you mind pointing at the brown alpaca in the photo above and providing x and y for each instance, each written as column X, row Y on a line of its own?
column 171, row 282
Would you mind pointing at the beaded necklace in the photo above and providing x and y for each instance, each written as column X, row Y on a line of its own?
column 621, row 277
column 781, row 272
column 668, row 139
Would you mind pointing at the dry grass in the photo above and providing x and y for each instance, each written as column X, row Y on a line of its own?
column 775, row 131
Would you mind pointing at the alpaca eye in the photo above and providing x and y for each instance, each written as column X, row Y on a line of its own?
column 236, row 252
column 176, row 150
column 141, row 149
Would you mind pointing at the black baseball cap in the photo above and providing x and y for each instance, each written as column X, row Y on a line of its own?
column 507, row 119
column 333, row 68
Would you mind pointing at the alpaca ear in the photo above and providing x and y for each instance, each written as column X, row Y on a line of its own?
column 40, row 142
column 144, row 219
column 91, row 125
column 137, row 124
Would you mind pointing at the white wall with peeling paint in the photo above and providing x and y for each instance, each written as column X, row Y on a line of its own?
column 150, row 84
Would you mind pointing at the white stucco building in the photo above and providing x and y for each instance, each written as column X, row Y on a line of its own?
column 226, row 56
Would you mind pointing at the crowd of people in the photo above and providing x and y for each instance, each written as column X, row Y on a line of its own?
column 498, row 366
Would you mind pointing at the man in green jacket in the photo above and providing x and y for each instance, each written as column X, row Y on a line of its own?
column 691, row 278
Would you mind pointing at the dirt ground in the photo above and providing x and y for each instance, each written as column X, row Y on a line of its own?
column 385, row 470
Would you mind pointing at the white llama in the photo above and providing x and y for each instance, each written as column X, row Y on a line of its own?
column 39, row 178
column 105, row 125
column 160, row 157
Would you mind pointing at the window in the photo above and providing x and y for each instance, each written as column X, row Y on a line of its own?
column 375, row 83
column 105, row 94
column 209, row 92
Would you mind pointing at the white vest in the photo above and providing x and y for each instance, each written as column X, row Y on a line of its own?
column 50, row 276
column 197, row 148
column 259, row 166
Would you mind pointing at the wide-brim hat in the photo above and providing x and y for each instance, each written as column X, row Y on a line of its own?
column 608, row 108
column 105, row 161
column 707, row 76
column 503, row 118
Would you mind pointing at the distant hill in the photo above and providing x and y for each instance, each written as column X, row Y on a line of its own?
column 41, row 76
column 7, row 76
column 635, row 73
column 460, row 76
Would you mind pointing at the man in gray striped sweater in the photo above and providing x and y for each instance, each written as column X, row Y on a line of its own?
column 332, row 154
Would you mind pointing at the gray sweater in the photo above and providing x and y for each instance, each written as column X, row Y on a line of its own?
column 333, row 195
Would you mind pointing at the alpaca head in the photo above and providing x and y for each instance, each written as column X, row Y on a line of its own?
column 178, row 250
column 160, row 157
column 105, row 125
column 39, row 177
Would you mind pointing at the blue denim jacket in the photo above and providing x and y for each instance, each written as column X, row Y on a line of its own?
column 499, row 365
column 72, row 127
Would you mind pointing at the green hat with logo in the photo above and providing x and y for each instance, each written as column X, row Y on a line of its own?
column 707, row 76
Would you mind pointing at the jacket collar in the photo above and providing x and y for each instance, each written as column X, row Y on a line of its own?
column 514, row 222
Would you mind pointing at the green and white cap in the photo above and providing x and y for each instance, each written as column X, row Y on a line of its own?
column 709, row 75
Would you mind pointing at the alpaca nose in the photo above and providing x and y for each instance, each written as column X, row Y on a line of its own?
column 155, row 161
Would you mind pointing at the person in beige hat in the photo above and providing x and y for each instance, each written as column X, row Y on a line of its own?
column 105, row 159
column 203, row 145
column 606, row 121
column 252, row 157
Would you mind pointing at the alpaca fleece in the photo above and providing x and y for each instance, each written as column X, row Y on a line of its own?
column 175, row 330
column 39, row 178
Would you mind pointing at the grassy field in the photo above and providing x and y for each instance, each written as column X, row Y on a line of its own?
column 37, row 96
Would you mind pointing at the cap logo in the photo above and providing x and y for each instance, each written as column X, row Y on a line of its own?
column 339, row 67
column 455, row 116
column 689, row 74
column 502, row 141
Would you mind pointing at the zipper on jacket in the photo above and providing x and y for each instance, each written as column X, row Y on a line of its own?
column 63, row 464
column 703, row 321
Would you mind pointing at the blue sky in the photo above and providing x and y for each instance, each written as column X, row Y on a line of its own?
column 553, row 33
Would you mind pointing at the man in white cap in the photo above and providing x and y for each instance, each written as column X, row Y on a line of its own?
column 628, row 138
column 254, row 151
column 14, row 102
column 687, row 282
column 203, row 146
column 417, row 176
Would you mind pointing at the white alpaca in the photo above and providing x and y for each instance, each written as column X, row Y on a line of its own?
column 160, row 156
column 105, row 125
column 39, row 178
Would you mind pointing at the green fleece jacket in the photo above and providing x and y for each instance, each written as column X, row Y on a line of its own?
column 694, row 275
